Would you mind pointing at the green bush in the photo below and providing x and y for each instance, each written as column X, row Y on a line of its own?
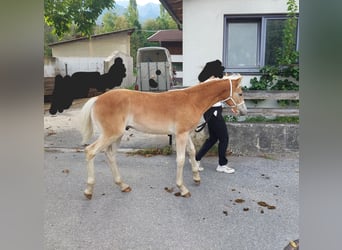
column 284, row 75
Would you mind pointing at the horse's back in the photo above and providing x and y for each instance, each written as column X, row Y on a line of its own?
column 143, row 98
column 148, row 112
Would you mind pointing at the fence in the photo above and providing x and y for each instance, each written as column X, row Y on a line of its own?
column 265, row 138
column 271, row 95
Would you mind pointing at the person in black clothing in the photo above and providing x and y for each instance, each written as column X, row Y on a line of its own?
column 216, row 124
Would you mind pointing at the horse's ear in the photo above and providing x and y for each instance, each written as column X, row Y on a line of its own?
column 237, row 81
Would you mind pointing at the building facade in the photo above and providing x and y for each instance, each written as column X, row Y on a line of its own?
column 236, row 32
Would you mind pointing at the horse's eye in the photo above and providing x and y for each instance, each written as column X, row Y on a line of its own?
column 240, row 94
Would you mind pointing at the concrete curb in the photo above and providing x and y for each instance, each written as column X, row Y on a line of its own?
column 258, row 138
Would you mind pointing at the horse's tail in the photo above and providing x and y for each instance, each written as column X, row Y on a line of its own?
column 86, row 124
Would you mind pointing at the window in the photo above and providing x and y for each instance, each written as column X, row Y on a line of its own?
column 177, row 66
column 251, row 42
column 242, row 44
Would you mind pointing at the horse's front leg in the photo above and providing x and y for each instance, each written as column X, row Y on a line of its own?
column 194, row 165
column 181, row 140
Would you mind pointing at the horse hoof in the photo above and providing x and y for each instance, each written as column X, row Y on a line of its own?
column 127, row 189
column 187, row 195
column 197, row 182
column 89, row 196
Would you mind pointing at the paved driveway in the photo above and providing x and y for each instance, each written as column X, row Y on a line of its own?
column 255, row 208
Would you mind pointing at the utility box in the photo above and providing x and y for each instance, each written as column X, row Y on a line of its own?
column 154, row 69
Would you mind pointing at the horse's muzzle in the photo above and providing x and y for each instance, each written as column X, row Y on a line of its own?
column 242, row 109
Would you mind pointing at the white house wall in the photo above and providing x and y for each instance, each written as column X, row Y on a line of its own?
column 203, row 30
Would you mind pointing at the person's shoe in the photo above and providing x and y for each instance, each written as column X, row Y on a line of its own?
column 198, row 163
column 199, row 166
column 225, row 169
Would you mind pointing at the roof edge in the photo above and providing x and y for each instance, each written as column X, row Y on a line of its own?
column 171, row 12
column 129, row 31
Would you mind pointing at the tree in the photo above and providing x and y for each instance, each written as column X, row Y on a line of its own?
column 137, row 39
column 132, row 14
column 121, row 23
column 113, row 22
column 150, row 24
column 164, row 20
column 149, row 27
column 51, row 37
column 288, row 54
column 108, row 22
column 62, row 14
column 48, row 38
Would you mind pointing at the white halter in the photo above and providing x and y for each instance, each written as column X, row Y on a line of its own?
column 230, row 97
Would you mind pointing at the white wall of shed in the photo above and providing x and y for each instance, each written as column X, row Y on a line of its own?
column 70, row 65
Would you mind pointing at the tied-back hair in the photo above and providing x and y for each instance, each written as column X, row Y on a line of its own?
column 211, row 69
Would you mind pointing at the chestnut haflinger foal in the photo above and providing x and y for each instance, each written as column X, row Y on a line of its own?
column 176, row 112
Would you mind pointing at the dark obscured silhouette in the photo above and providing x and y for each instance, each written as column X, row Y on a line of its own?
column 78, row 84
column 213, row 68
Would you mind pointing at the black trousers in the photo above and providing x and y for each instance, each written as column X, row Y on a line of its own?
column 217, row 132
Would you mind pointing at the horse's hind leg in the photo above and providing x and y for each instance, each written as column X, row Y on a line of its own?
column 194, row 165
column 91, row 152
column 110, row 154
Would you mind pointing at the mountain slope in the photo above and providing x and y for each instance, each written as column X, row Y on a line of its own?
column 147, row 11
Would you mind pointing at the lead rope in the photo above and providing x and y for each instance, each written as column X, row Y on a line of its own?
column 200, row 127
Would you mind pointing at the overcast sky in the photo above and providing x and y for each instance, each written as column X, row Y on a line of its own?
column 142, row 2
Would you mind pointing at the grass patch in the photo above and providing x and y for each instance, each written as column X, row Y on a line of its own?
column 149, row 152
column 262, row 119
column 279, row 119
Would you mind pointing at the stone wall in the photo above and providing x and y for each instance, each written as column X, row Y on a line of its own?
column 258, row 138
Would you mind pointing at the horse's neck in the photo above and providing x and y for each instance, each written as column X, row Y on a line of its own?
column 207, row 94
